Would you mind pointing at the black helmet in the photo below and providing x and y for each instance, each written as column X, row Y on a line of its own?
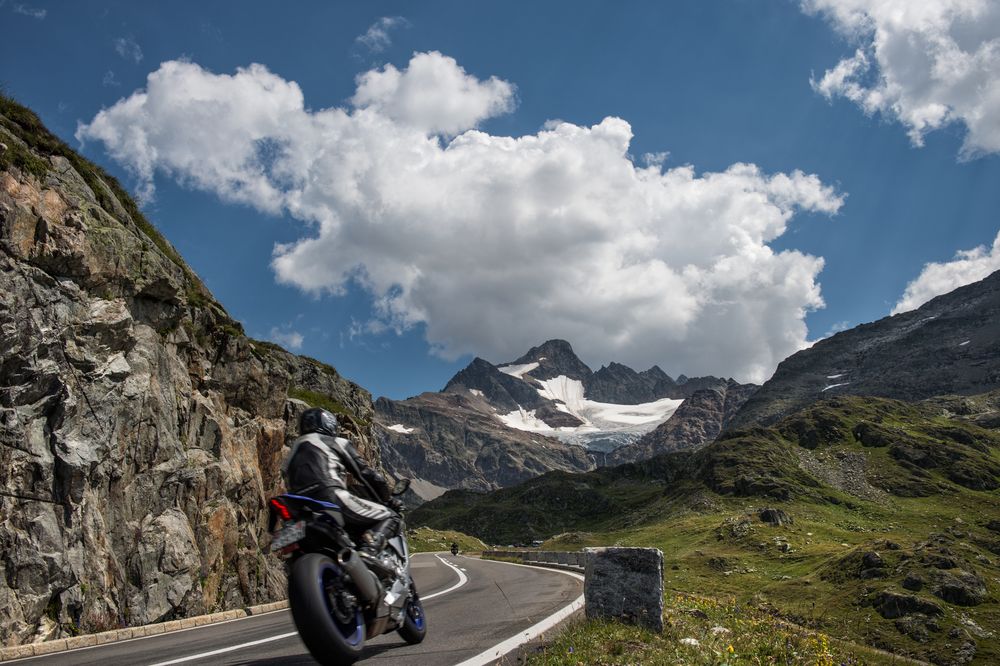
column 319, row 421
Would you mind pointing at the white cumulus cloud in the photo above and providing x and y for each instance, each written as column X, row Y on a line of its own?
column 376, row 39
column 434, row 94
column 938, row 278
column 925, row 63
column 491, row 243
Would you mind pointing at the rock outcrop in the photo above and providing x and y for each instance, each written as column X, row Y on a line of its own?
column 141, row 431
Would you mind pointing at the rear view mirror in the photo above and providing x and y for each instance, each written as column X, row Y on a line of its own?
column 402, row 485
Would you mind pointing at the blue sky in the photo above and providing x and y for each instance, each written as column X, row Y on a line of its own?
column 710, row 84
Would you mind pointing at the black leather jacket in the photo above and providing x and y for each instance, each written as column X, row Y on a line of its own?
column 318, row 462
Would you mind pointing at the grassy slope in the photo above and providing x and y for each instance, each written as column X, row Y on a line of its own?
column 922, row 494
column 427, row 540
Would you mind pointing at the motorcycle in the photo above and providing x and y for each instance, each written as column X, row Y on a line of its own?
column 454, row 549
column 339, row 596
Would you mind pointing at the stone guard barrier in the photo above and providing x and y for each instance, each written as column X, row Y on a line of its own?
column 625, row 584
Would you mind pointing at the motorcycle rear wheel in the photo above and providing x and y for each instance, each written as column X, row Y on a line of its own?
column 334, row 631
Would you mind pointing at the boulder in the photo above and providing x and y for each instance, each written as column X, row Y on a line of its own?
column 892, row 605
column 872, row 560
column 962, row 588
column 775, row 517
column 625, row 584
column 913, row 582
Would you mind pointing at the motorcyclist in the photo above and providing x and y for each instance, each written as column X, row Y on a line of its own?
column 454, row 548
column 319, row 466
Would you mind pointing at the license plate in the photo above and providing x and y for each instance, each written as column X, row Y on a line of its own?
column 289, row 535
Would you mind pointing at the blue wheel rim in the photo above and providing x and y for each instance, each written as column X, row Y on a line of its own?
column 416, row 613
column 351, row 631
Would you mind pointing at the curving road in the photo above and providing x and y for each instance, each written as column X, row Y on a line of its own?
column 473, row 607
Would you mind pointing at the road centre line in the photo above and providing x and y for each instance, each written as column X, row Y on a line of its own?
column 462, row 579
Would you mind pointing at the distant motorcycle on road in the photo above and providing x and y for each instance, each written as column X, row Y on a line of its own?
column 454, row 549
column 338, row 595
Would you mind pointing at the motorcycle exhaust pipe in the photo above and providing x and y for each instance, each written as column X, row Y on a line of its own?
column 366, row 581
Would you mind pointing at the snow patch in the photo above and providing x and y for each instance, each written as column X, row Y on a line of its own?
column 401, row 429
column 962, row 344
column 518, row 370
column 835, row 376
column 523, row 419
column 599, row 419
column 476, row 392
column 832, row 386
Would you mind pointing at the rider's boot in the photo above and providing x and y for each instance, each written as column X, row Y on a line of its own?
column 374, row 540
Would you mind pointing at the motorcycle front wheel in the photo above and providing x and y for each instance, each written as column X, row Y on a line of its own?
column 414, row 623
column 325, row 612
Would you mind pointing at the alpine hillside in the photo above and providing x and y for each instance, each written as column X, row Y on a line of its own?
column 868, row 518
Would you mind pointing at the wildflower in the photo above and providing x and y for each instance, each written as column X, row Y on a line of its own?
column 731, row 650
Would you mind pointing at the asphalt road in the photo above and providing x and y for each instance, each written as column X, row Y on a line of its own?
column 496, row 602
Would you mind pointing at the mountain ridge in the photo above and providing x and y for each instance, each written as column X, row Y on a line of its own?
column 547, row 404
column 950, row 344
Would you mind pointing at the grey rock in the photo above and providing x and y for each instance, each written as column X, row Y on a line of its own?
column 775, row 517
column 872, row 560
column 625, row 584
column 962, row 588
column 892, row 605
column 913, row 582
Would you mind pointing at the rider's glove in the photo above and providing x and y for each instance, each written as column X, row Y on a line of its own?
column 395, row 505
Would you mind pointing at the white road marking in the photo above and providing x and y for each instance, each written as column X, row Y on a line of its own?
column 142, row 638
column 462, row 580
column 512, row 643
column 227, row 649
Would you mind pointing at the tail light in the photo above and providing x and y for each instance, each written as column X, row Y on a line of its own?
column 281, row 509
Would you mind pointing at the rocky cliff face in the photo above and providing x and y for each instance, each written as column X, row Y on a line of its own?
column 949, row 345
column 140, row 431
column 698, row 421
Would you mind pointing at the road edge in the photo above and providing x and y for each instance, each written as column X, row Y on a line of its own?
column 534, row 632
column 142, row 631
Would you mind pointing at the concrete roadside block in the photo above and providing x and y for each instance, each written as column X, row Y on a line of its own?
column 81, row 642
column 625, row 584
column 19, row 652
column 49, row 647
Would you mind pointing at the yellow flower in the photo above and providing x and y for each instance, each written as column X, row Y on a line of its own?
column 731, row 650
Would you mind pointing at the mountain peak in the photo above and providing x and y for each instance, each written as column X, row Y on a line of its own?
column 554, row 357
